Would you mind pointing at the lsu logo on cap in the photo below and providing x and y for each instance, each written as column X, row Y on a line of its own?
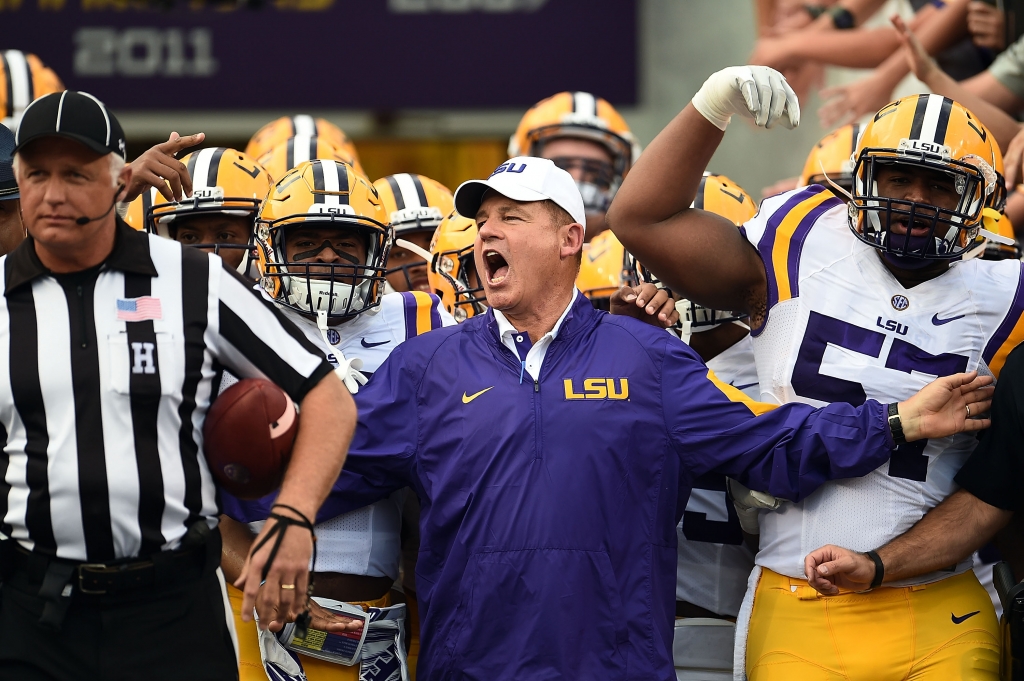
column 597, row 389
column 509, row 167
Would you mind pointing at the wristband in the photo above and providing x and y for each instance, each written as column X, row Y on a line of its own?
column 896, row 425
column 842, row 18
column 879, row 569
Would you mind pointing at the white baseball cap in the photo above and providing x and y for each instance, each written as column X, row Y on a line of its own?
column 524, row 178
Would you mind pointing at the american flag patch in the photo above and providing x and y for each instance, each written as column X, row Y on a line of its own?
column 138, row 309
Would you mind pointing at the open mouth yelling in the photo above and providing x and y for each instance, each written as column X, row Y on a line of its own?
column 920, row 228
column 497, row 267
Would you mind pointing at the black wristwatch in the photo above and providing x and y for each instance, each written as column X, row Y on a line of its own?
column 895, row 425
column 879, row 569
column 842, row 18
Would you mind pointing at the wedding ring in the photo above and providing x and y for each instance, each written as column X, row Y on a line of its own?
column 288, row 586
column 968, row 411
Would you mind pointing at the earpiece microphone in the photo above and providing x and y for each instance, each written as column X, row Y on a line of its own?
column 84, row 220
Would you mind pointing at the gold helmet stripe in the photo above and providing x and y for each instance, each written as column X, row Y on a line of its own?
column 585, row 104
column 207, row 165
column 303, row 124
column 330, row 182
column 931, row 118
column 19, row 82
column 408, row 191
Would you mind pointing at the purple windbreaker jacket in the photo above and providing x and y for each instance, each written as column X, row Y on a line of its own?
column 549, row 508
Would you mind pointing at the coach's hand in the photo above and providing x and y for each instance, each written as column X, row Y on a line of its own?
column 757, row 92
column 645, row 302
column 158, row 167
column 832, row 568
column 275, row 605
column 946, row 406
column 325, row 620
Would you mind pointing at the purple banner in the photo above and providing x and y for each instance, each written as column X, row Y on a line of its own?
column 344, row 54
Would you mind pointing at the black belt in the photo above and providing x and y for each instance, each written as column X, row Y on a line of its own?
column 57, row 580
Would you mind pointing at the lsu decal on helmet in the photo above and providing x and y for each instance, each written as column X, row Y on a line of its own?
column 602, row 269
column 227, row 190
column 23, row 78
column 415, row 205
column 323, row 240
column 301, row 148
column 452, row 272
column 281, row 129
column 719, row 195
column 580, row 115
column 135, row 216
column 833, row 158
column 931, row 133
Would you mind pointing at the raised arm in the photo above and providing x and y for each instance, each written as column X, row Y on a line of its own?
column 651, row 213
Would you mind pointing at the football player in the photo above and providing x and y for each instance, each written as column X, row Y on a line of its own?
column 416, row 205
column 452, row 273
column 586, row 136
column 295, row 150
column 227, row 190
column 323, row 240
column 832, row 158
column 23, row 78
column 846, row 302
column 603, row 269
column 284, row 128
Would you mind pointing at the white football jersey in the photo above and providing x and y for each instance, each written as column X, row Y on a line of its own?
column 841, row 328
column 714, row 563
column 367, row 541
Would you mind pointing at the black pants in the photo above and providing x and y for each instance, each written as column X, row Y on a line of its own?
column 176, row 632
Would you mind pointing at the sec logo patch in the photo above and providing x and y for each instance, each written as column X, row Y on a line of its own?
column 333, row 337
column 900, row 303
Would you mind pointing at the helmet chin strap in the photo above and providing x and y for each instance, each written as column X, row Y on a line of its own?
column 834, row 185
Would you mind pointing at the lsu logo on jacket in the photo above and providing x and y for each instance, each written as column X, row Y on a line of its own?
column 597, row 389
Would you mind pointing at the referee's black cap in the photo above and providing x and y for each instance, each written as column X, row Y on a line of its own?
column 75, row 115
column 8, row 185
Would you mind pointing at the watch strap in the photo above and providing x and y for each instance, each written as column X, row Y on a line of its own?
column 879, row 569
column 896, row 425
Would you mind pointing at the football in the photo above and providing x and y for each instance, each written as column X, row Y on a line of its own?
column 249, row 433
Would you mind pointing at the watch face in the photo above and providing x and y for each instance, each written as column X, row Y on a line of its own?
column 842, row 18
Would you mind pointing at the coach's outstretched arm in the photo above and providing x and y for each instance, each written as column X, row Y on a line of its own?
column 651, row 213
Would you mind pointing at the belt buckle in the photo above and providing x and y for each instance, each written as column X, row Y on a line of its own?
column 81, row 577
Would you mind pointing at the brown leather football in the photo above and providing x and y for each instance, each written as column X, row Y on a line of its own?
column 248, row 437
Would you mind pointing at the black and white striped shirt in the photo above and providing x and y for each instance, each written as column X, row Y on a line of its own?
column 105, row 379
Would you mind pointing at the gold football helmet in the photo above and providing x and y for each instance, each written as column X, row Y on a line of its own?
column 833, row 158
column 324, row 195
column 584, row 116
column 224, row 182
column 719, row 195
column 295, row 150
column 602, row 269
column 137, row 209
column 452, row 271
column 23, row 79
column 415, row 204
column 928, row 132
column 281, row 129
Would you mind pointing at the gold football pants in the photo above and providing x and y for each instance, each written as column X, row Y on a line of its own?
column 940, row 631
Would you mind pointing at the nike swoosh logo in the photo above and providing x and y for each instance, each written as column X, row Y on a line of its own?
column 939, row 322
column 593, row 258
column 372, row 345
column 959, row 620
column 466, row 399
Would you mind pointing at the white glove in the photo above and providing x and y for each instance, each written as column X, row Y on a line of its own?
column 756, row 92
column 348, row 371
column 278, row 662
column 749, row 504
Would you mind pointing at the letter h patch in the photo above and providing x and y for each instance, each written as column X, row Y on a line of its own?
column 143, row 361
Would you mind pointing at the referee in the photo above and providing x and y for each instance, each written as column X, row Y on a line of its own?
column 109, row 341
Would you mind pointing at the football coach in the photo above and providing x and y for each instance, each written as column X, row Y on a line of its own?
column 553, row 448
column 109, row 341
